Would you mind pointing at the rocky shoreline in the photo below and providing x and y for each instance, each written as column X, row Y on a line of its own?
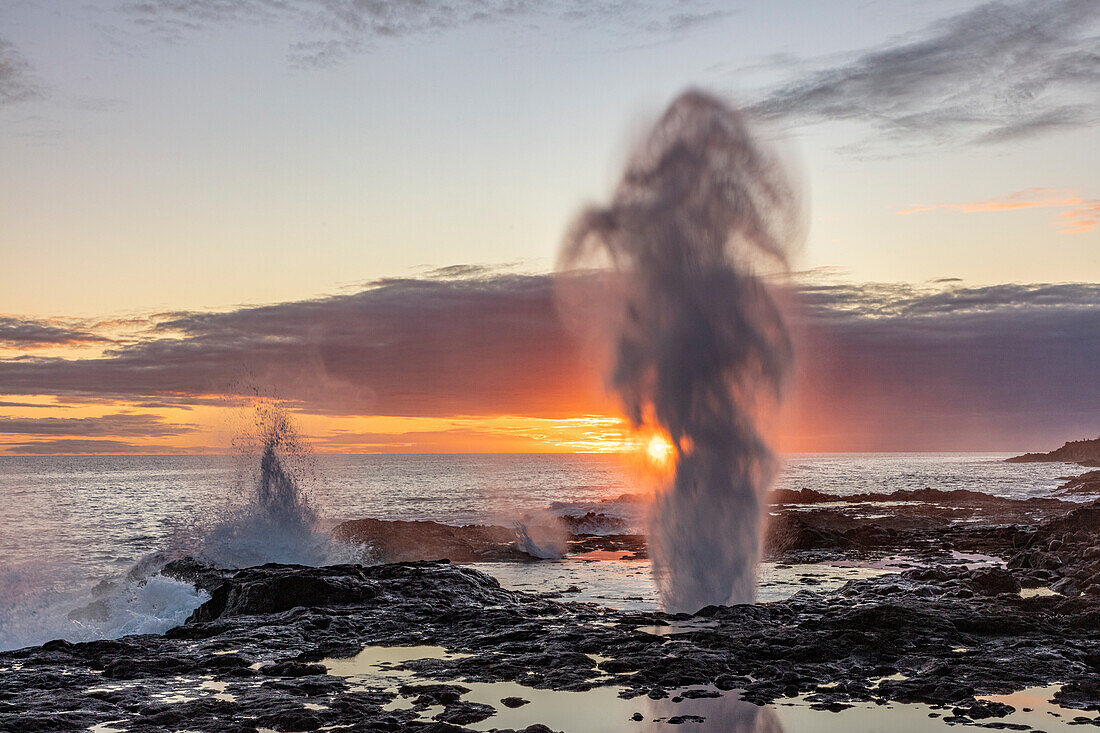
column 940, row 633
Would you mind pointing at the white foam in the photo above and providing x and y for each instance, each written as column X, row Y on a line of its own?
column 35, row 610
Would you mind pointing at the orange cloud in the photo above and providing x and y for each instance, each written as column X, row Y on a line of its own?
column 1081, row 215
column 1082, row 219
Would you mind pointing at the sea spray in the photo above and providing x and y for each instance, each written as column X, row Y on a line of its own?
column 46, row 600
column 699, row 346
column 541, row 534
column 278, row 521
column 269, row 517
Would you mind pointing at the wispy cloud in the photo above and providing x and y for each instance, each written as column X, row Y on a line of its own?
column 16, row 78
column 1078, row 214
column 66, row 446
column 1080, row 219
column 330, row 30
column 29, row 333
column 116, row 425
column 1000, row 71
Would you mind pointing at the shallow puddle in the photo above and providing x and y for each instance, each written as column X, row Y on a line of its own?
column 678, row 627
column 700, row 709
column 1041, row 592
column 628, row 583
column 976, row 559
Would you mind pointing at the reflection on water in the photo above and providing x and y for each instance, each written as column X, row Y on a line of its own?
column 727, row 712
column 600, row 710
column 628, row 584
column 699, row 708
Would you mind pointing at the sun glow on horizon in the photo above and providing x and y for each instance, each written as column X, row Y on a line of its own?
column 659, row 450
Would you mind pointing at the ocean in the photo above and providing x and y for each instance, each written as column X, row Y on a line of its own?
column 79, row 528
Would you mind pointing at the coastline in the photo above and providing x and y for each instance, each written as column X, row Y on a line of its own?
column 991, row 596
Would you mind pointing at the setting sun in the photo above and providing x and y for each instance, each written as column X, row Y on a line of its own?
column 659, row 451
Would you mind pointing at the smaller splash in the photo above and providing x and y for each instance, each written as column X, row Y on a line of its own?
column 545, row 541
column 279, row 522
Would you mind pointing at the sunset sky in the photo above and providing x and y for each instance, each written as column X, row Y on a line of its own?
column 356, row 207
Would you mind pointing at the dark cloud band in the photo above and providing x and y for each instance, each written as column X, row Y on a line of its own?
column 879, row 366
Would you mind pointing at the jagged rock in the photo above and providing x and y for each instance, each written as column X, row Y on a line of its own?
column 992, row 581
column 292, row 669
column 1065, row 586
column 463, row 713
column 398, row 541
column 434, row 694
column 980, row 710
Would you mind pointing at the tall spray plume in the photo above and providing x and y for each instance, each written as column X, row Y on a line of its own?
column 698, row 346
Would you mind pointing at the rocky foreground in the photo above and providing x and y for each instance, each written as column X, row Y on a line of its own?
column 939, row 633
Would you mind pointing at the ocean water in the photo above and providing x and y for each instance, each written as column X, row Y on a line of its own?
column 78, row 529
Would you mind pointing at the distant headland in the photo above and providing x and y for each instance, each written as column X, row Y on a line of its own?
column 1084, row 452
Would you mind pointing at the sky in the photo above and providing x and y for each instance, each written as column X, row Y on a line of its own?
column 357, row 207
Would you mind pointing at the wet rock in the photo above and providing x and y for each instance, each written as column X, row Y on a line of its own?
column 1049, row 561
column 434, row 694
column 832, row 707
column 678, row 719
column 992, row 581
column 1065, row 586
column 789, row 532
column 281, row 590
column 699, row 694
column 980, row 710
column 1083, row 694
column 513, row 702
column 464, row 713
column 299, row 719
column 400, row 541
column 292, row 669
column 94, row 611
